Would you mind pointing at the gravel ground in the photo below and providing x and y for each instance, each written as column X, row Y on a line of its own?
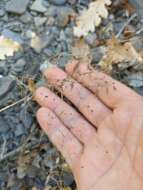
column 27, row 158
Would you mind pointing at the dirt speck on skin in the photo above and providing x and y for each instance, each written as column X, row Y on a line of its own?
column 27, row 158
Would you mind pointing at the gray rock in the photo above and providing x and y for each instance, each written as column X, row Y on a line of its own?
column 20, row 130
column 4, row 127
column 26, row 117
column 91, row 39
column 26, row 18
column 19, row 66
column 58, row 2
column 62, row 36
column 29, row 34
column 67, row 179
column 117, row 26
column 36, row 161
column 42, row 42
column 46, row 3
column 97, row 53
column 84, row 2
column 50, row 21
column 3, row 68
column 69, row 32
column 2, row 12
column 32, row 172
column 137, row 43
column 63, row 60
column 4, row 18
column 48, row 52
column 6, row 84
column 63, row 16
column 12, row 35
column 41, row 82
column 139, row 90
column 38, row 6
column 138, row 4
column 135, row 79
column 17, row 6
column 39, row 21
column 52, row 11
column 64, row 46
column 58, row 49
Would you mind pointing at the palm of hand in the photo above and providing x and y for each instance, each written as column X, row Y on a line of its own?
column 105, row 149
column 114, row 161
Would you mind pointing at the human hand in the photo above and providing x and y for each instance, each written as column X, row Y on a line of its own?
column 102, row 141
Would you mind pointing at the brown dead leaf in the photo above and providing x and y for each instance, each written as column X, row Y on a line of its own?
column 119, row 53
column 7, row 47
column 81, row 51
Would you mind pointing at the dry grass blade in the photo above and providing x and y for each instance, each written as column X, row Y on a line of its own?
column 27, row 98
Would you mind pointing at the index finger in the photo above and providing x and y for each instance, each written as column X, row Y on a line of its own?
column 111, row 92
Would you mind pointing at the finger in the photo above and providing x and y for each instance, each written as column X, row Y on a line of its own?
column 109, row 91
column 68, row 115
column 93, row 109
column 61, row 137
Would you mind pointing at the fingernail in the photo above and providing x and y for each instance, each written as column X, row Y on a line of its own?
column 46, row 65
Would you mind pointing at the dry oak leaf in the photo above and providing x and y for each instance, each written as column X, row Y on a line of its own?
column 119, row 53
column 91, row 18
column 8, row 47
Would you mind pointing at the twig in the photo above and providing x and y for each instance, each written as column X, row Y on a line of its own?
column 15, row 103
column 126, row 24
column 12, row 153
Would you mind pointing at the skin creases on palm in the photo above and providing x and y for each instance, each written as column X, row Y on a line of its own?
column 100, row 137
